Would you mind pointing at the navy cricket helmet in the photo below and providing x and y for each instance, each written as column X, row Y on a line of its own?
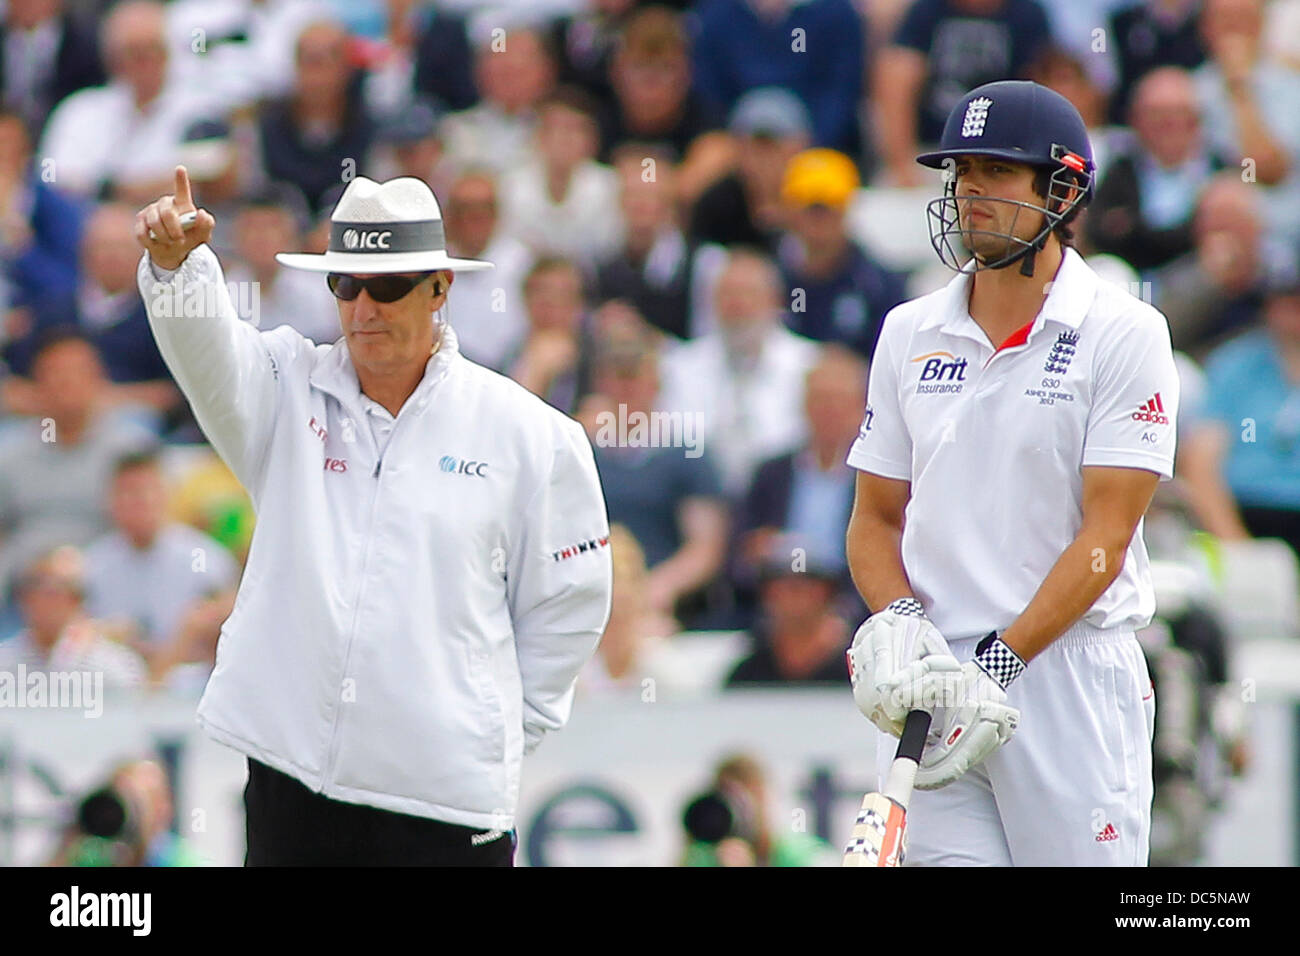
column 1023, row 122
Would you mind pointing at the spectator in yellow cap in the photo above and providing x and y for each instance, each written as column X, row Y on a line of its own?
column 837, row 292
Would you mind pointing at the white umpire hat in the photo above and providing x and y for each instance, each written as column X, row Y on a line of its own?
column 381, row 228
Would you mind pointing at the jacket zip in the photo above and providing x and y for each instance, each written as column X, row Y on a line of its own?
column 333, row 755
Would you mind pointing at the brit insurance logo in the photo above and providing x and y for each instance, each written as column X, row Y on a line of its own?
column 977, row 114
column 941, row 372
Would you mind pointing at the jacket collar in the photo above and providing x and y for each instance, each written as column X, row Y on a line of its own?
column 1068, row 300
column 334, row 372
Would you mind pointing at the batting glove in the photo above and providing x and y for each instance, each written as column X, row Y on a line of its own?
column 885, row 644
column 973, row 718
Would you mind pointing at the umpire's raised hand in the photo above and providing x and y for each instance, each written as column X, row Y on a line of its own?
column 158, row 225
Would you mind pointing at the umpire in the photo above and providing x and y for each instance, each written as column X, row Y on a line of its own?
column 430, row 567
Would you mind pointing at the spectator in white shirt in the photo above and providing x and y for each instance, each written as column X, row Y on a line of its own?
column 124, row 139
column 1250, row 114
column 148, row 572
column 513, row 70
column 241, row 51
column 562, row 202
column 491, row 301
column 57, row 635
column 746, row 379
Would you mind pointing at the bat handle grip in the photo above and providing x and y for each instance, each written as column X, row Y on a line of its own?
column 913, row 740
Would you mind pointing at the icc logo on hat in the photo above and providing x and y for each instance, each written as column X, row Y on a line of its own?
column 384, row 228
column 354, row 239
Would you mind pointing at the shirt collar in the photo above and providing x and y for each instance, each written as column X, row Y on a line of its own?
column 335, row 373
column 1067, row 302
column 1073, row 290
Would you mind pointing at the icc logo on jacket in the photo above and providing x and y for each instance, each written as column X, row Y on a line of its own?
column 462, row 466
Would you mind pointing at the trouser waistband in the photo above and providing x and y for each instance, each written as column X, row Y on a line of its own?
column 1081, row 634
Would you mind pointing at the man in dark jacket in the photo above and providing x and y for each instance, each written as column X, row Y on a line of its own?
column 1145, row 203
column 799, row 638
column 45, row 54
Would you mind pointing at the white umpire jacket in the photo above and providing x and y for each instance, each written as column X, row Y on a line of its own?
column 409, row 623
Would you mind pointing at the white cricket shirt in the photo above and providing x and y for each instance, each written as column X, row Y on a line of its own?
column 993, row 441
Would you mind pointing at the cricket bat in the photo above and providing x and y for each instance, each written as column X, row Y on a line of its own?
column 879, row 832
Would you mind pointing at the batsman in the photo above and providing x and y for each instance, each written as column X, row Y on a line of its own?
column 1018, row 421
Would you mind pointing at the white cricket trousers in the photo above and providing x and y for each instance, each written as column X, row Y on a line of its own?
column 1072, row 787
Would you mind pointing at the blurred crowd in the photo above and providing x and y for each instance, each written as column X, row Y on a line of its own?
column 684, row 204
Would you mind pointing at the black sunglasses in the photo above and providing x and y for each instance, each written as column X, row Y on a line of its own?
column 381, row 288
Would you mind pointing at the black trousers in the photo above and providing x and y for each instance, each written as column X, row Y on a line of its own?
column 289, row 825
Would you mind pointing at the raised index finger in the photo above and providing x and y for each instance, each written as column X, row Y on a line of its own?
column 183, row 199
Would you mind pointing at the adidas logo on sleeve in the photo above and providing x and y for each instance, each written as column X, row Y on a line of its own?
column 1152, row 411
